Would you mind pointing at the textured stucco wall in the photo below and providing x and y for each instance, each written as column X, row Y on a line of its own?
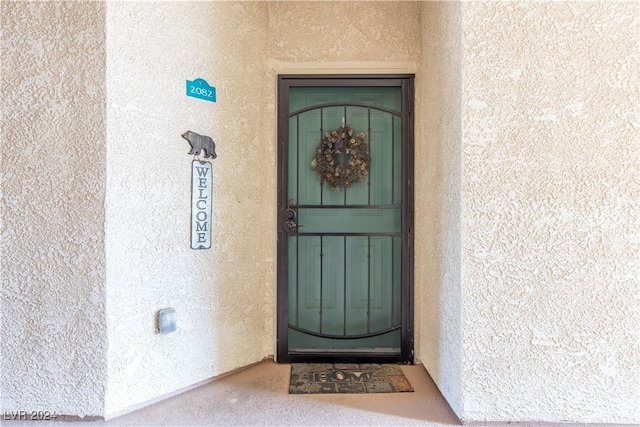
column 344, row 31
column 550, row 203
column 224, row 296
column 53, row 337
column 438, row 200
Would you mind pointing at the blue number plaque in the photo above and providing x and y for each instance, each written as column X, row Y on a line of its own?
column 199, row 88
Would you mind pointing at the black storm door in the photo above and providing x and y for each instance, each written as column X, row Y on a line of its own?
column 345, row 201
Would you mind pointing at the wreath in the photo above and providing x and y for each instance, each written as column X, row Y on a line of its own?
column 342, row 158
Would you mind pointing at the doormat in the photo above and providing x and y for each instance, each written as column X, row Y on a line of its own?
column 321, row 378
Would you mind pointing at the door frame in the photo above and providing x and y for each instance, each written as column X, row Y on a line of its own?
column 406, row 82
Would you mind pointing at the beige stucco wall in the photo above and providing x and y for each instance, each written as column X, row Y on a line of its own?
column 438, row 200
column 550, row 206
column 529, row 296
column 53, row 340
column 340, row 31
column 224, row 297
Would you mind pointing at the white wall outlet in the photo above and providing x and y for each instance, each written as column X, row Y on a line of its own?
column 166, row 321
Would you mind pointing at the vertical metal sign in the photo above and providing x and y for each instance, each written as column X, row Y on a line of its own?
column 201, row 194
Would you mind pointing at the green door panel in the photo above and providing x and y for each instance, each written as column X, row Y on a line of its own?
column 349, row 220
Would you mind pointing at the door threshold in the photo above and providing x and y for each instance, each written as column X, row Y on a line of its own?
column 382, row 355
column 387, row 351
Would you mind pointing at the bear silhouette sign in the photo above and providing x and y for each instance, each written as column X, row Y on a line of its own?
column 200, row 143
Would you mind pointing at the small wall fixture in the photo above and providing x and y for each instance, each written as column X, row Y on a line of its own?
column 166, row 321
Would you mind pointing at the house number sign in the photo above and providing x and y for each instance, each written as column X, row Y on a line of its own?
column 199, row 88
column 201, row 184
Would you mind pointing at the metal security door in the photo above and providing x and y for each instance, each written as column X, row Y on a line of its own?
column 345, row 218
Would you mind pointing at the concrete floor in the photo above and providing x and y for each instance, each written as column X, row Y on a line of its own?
column 258, row 396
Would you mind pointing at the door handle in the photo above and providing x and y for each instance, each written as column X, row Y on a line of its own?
column 290, row 223
column 291, row 226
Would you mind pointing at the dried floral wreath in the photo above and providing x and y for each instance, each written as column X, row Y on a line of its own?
column 342, row 158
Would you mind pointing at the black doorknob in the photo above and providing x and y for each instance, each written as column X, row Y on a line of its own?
column 291, row 226
column 290, row 214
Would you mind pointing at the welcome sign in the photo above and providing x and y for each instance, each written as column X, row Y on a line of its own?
column 201, row 194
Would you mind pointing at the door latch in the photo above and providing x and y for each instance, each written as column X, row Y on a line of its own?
column 290, row 223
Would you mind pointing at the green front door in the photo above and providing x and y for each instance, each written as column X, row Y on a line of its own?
column 345, row 199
